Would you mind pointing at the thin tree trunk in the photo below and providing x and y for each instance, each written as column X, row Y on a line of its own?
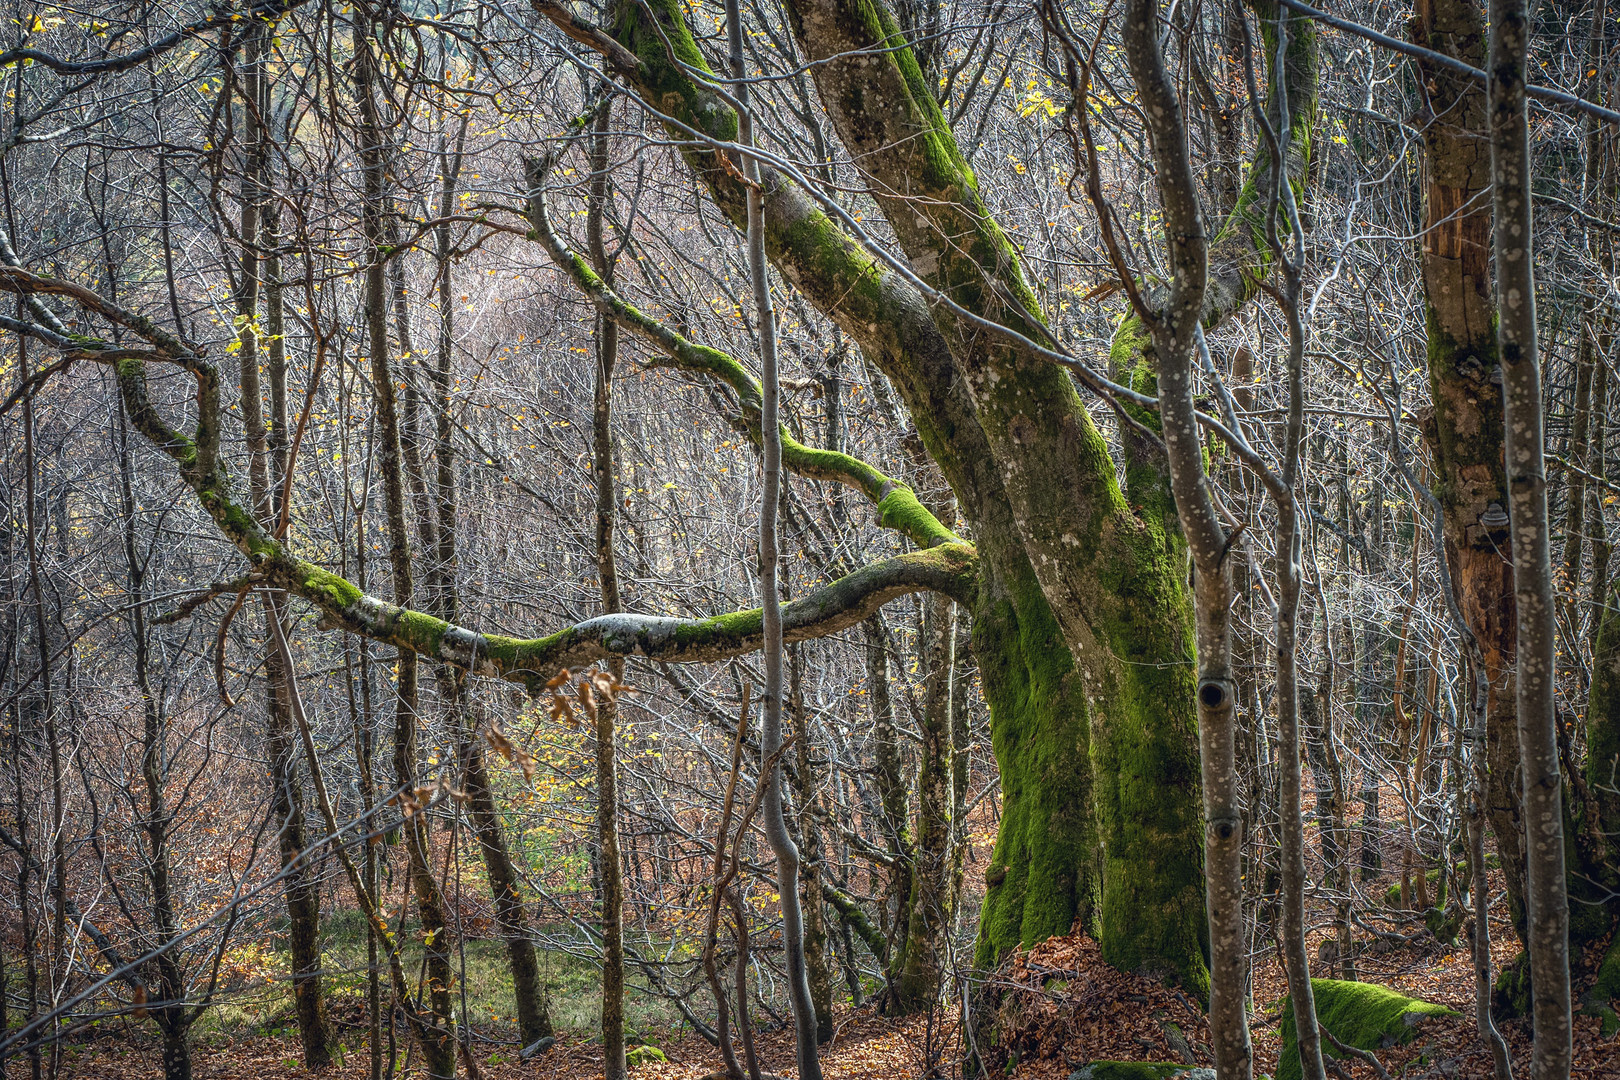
column 439, row 1049
column 1479, row 884
column 893, row 798
column 1546, row 887
column 175, row 1015
column 928, row 909
column 602, row 474
column 815, row 930
column 302, row 893
column 776, row 830
column 1173, row 326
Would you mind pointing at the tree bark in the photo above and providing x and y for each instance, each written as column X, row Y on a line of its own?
column 302, row 891
column 439, row 1047
column 1465, row 435
column 602, row 473
column 1547, row 901
column 1172, row 328
column 175, row 1016
column 894, row 800
column 929, row 905
column 815, row 929
column 770, row 740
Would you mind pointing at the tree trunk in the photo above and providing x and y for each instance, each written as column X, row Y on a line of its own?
column 770, row 736
column 176, row 1052
column 602, row 472
column 1465, row 435
column 301, row 890
column 439, row 1047
column 1044, row 874
column 929, row 911
column 176, row 1015
column 1595, row 870
column 1546, row 896
column 815, row 930
column 894, row 799
column 1170, row 331
column 1479, row 884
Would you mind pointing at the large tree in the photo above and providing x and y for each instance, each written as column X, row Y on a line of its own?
column 1077, row 586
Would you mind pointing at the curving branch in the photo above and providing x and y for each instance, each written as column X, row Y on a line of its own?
column 624, row 62
column 950, row 569
column 898, row 507
column 14, row 279
column 220, row 17
column 949, row 566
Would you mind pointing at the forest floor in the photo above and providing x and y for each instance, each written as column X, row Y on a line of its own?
column 1085, row 1012
column 1069, row 1009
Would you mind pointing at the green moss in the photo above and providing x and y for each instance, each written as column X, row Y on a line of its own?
column 1129, row 1070
column 1045, row 871
column 1608, row 978
column 1600, row 1001
column 1131, row 362
column 898, row 507
column 731, row 625
column 1437, row 878
column 1149, row 810
column 950, row 167
column 670, row 87
column 643, row 1055
column 1140, row 730
column 901, row 511
column 517, row 659
column 1364, row 1015
column 820, row 249
column 1510, row 996
column 422, row 633
column 324, row 587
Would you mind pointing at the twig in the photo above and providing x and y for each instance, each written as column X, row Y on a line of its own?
column 1355, row 1052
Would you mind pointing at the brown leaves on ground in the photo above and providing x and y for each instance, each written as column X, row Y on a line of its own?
column 1058, row 1006
column 865, row 1046
column 1051, row 1009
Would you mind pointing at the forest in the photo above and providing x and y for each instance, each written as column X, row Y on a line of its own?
column 1063, row 539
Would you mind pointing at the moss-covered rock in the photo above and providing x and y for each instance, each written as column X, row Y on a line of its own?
column 643, row 1055
column 1140, row 1070
column 1604, row 997
column 1364, row 1015
column 1511, row 995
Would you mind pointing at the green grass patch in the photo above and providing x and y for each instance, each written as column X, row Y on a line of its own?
column 483, row 987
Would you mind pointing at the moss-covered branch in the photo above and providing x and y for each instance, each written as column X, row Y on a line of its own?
column 16, row 280
column 652, row 50
column 950, row 569
column 898, row 507
column 948, row 566
column 850, row 912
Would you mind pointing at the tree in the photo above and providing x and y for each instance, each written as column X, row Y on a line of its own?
column 1523, row 449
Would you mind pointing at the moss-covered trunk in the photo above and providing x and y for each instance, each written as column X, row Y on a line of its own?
column 928, row 908
column 1087, row 658
column 1595, row 859
column 1113, row 581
